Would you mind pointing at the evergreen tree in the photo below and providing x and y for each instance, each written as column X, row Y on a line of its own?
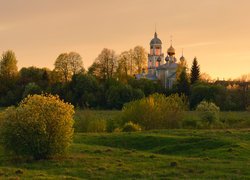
column 183, row 85
column 195, row 72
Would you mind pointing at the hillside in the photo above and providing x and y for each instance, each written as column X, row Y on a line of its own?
column 154, row 154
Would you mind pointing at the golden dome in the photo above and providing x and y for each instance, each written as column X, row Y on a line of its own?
column 171, row 50
column 182, row 58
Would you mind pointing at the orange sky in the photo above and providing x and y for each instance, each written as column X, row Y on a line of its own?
column 216, row 31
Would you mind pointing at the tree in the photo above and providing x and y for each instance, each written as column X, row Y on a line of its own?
column 8, row 71
column 40, row 127
column 118, row 95
column 8, row 78
column 30, row 89
column 69, row 64
column 125, row 65
column 84, row 89
column 139, row 58
column 105, row 65
column 8, row 65
column 75, row 62
column 195, row 72
column 183, row 85
column 39, row 76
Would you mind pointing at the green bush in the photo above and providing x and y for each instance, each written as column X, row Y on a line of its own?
column 112, row 124
column 131, row 127
column 41, row 126
column 87, row 121
column 191, row 122
column 98, row 125
column 30, row 89
column 248, row 108
column 209, row 112
column 155, row 112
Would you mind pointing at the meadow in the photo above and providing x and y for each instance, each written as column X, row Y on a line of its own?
column 157, row 154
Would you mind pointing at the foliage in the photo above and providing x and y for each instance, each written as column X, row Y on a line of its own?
column 8, row 65
column 117, row 96
column 126, row 65
column 195, row 72
column 8, row 78
column 139, row 58
column 69, row 64
column 105, row 65
column 183, row 85
column 98, row 125
column 41, row 126
column 209, row 112
column 31, row 89
column 155, row 111
column 131, row 127
column 215, row 93
column 86, row 121
column 147, row 86
column 113, row 124
column 39, row 76
column 84, row 90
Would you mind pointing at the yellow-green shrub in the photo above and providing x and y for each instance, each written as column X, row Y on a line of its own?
column 208, row 111
column 131, row 127
column 41, row 126
column 155, row 112
column 87, row 121
column 97, row 125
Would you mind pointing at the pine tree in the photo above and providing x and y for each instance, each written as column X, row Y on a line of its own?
column 195, row 72
column 183, row 85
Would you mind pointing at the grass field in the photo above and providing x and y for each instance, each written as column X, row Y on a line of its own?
column 167, row 154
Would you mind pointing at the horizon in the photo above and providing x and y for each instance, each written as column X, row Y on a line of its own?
column 217, row 33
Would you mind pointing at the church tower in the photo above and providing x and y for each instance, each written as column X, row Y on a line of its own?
column 155, row 57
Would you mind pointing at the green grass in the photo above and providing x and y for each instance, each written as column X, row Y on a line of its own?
column 194, row 154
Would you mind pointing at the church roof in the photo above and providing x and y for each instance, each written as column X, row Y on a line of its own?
column 171, row 50
column 155, row 40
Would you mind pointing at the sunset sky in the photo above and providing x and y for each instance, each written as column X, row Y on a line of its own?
column 217, row 32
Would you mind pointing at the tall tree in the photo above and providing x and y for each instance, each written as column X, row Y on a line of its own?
column 8, row 77
column 8, row 65
column 140, row 58
column 68, row 64
column 8, row 71
column 105, row 65
column 195, row 72
column 126, row 65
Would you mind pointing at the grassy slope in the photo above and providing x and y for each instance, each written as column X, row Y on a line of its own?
column 198, row 154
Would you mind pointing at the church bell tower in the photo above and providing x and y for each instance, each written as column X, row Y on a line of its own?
column 155, row 57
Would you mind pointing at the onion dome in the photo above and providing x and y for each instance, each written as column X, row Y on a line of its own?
column 171, row 51
column 182, row 58
column 167, row 58
column 155, row 40
column 159, row 59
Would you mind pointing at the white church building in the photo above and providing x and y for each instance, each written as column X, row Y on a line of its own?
column 158, row 69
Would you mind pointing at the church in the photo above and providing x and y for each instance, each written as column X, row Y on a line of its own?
column 160, row 67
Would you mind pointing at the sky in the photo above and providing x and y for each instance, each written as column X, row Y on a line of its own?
column 217, row 32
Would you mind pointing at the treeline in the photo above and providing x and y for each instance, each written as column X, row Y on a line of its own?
column 109, row 82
